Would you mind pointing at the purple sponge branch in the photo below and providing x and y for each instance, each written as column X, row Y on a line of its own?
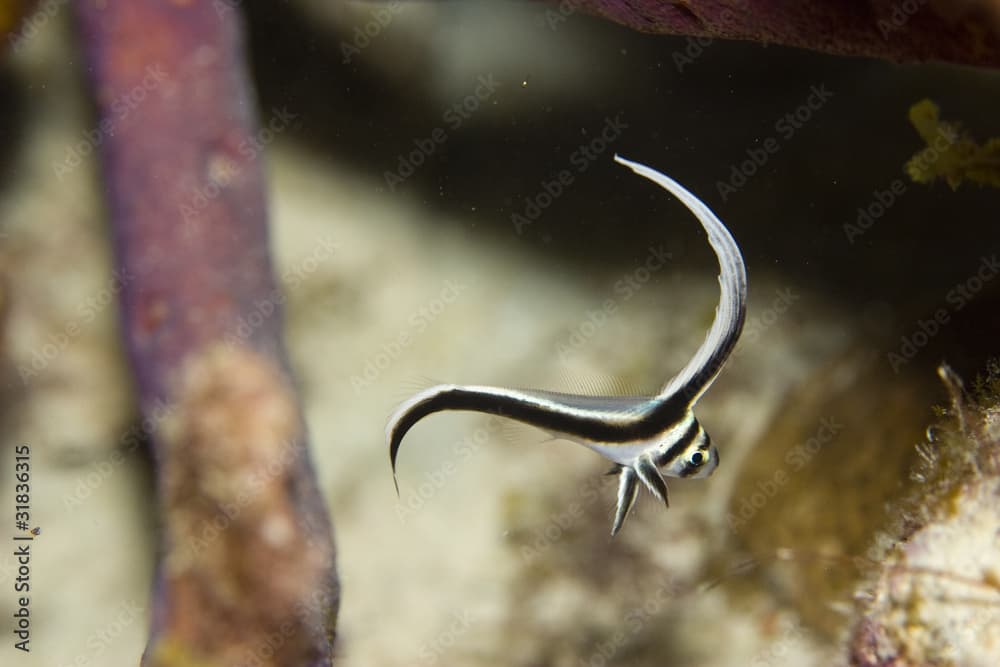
column 247, row 572
column 900, row 30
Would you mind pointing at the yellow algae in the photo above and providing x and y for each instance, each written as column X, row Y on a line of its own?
column 950, row 153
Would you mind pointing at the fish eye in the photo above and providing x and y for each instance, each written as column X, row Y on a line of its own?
column 697, row 459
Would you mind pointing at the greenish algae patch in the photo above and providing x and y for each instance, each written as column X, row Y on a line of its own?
column 808, row 502
column 950, row 153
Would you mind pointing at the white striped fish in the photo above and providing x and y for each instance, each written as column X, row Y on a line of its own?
column 646, row 437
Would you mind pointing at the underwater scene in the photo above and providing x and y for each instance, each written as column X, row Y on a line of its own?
column 566, row 333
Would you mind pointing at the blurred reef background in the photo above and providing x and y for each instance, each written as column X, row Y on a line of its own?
column 442, row 206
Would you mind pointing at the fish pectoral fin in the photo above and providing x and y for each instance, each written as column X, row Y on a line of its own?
column 628, row 489
column 651, row 477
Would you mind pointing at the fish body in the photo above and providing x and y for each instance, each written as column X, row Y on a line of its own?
column 645, row 437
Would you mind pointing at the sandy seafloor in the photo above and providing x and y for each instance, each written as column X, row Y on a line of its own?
column 497, row 551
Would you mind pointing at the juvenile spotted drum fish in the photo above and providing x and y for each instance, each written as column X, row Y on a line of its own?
column 646, row 437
